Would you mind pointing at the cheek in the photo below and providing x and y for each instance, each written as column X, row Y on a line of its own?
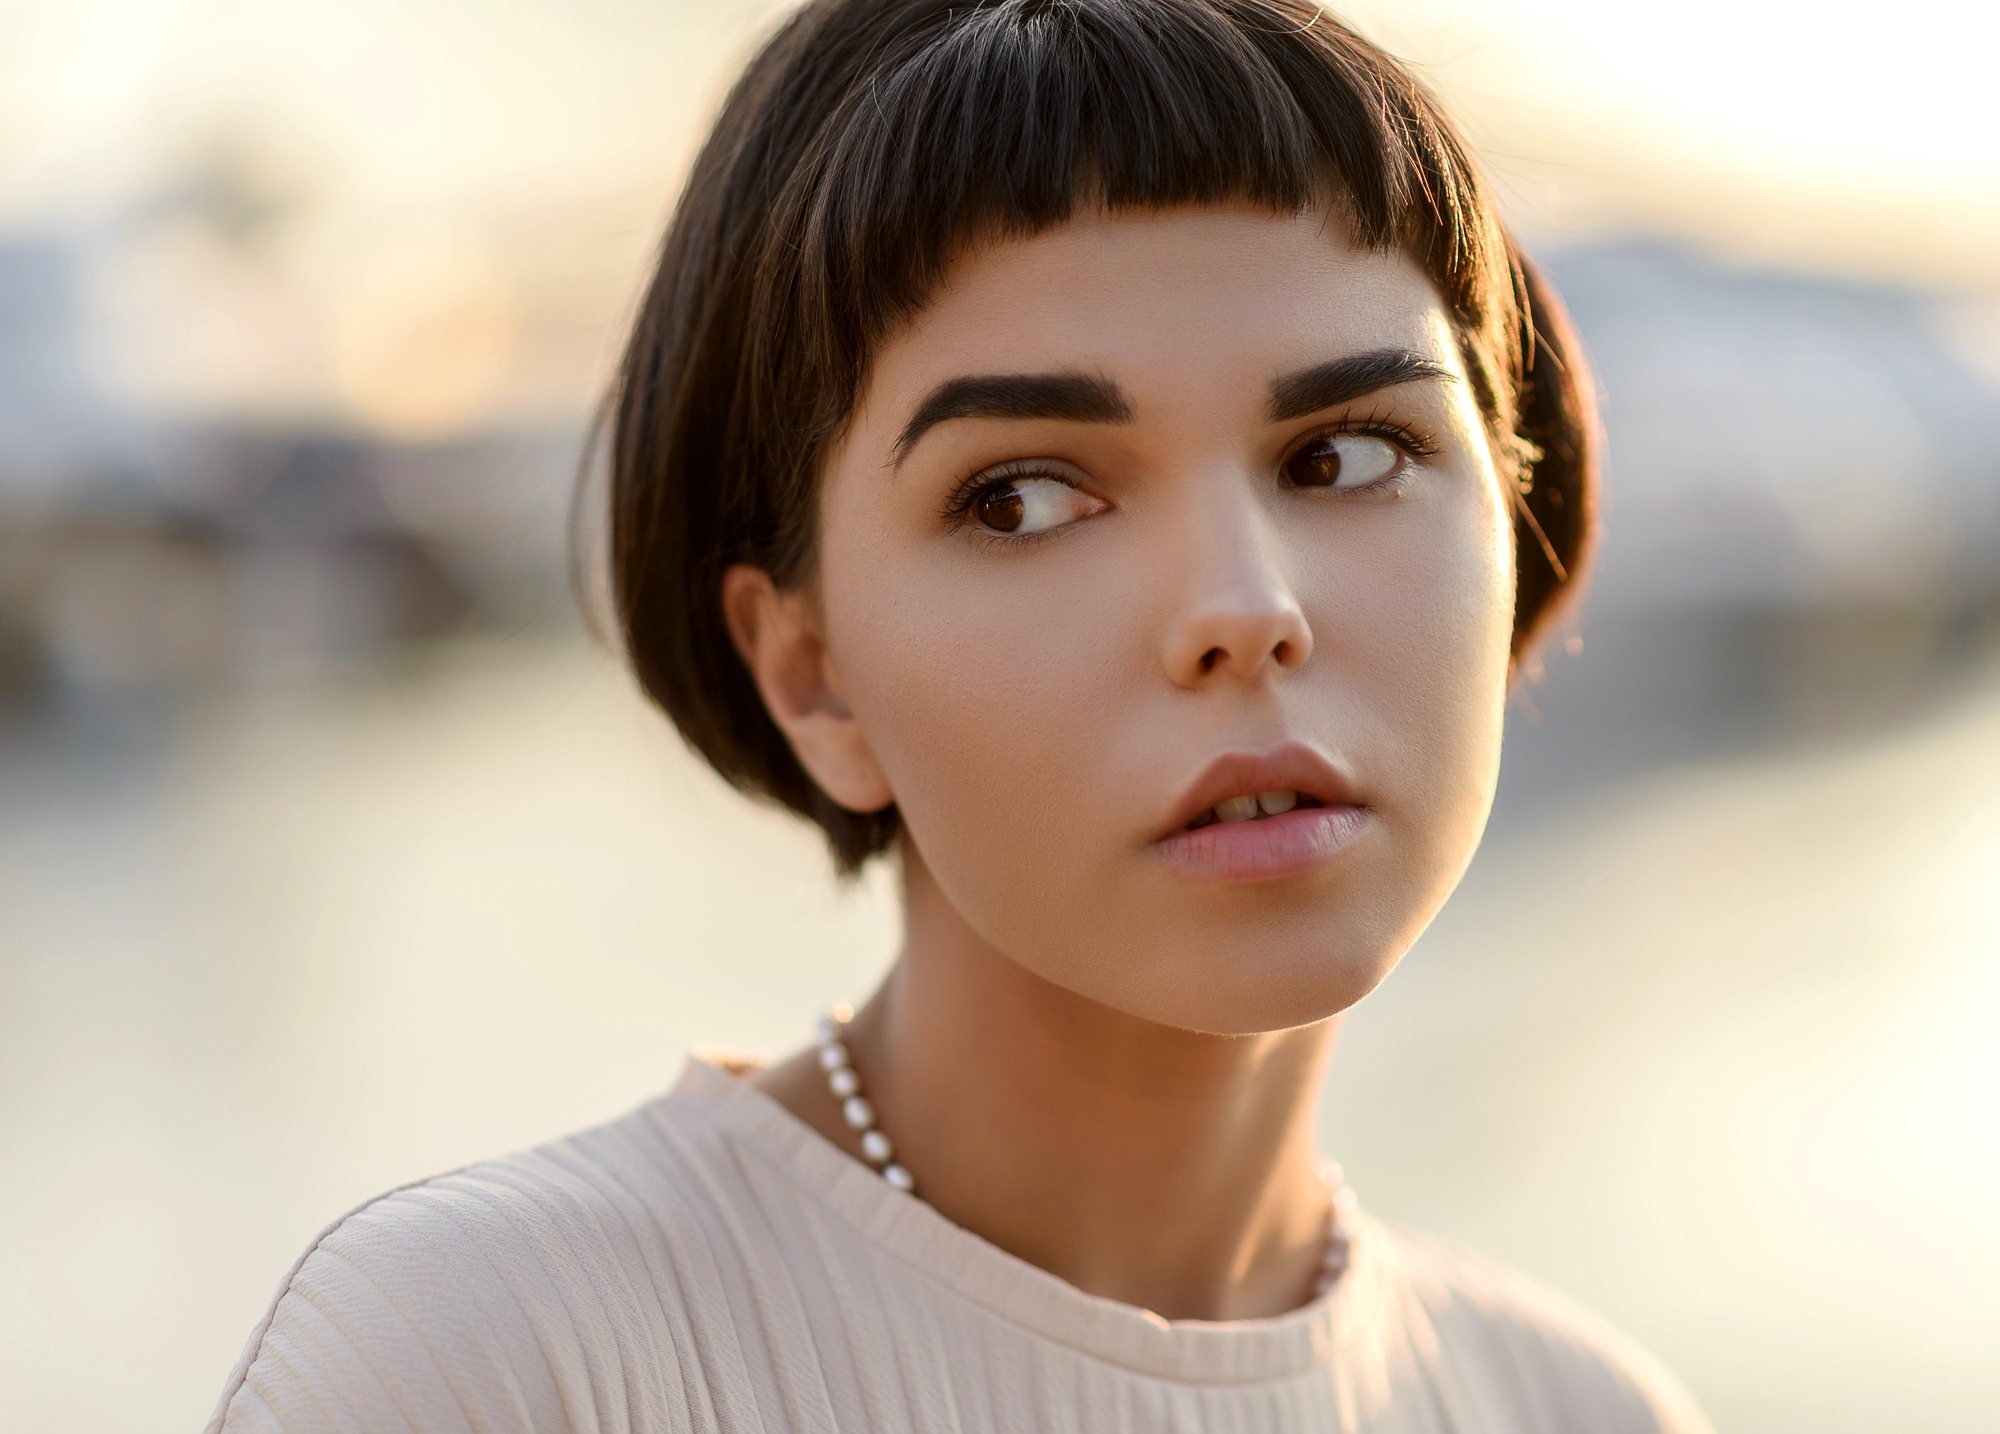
column 1428, row 622
column 985, row 698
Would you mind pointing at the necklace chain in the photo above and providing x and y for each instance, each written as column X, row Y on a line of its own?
column 845, row 1083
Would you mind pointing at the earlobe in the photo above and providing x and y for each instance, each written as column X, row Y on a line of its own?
column 779, row 636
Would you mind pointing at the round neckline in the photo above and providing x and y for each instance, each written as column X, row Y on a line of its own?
column 910, row 1231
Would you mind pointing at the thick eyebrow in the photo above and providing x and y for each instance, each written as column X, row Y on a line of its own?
column 1077, row 397
column 1343, row 380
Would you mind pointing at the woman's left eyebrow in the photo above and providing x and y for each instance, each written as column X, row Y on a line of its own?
column 1343, row 380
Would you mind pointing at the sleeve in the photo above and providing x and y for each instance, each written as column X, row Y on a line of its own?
column 405, row 1317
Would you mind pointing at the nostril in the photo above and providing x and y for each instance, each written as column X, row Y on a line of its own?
column 1209, row 659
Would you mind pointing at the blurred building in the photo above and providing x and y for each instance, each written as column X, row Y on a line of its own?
column 144, row 553
column 1801, row 519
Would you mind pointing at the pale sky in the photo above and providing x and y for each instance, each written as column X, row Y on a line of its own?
column 503, row 166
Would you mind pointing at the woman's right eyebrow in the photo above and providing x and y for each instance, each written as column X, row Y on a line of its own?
column 1077, row 397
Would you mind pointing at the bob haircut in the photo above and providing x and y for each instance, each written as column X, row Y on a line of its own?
column 871, row 141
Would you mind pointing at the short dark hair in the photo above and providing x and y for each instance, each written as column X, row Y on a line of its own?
column 870, row 140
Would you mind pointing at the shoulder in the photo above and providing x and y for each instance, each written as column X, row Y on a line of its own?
column 1515, row 1354
column 506, row 1296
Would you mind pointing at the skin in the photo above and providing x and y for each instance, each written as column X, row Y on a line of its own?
column 1097, row 1060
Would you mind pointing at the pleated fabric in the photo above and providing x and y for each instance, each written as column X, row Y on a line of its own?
column 709, row 1263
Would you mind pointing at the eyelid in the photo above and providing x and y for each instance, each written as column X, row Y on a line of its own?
column 1376, row 423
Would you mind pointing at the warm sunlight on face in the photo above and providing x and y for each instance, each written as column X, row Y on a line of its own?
column 1165, row 570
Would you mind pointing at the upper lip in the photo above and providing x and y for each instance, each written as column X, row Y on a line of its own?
column 1293, row 767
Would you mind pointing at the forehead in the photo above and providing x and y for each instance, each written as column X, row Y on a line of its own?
column 1164, row 299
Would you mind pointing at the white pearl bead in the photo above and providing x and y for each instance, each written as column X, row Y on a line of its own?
column 860, row 1114
column 832, row 1056
column 897, row 1176
column 845, row 1082
column 875, row 1145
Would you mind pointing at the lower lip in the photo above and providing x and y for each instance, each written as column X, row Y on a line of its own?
column 1266, row 848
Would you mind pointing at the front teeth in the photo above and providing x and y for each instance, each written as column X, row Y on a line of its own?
column 1243, row 809
column 1236, row 809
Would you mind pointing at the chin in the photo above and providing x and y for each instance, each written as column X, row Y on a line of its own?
column 1304, row 992
column 1239, row 982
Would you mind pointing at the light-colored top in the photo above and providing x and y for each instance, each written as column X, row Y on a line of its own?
column 711, row 1263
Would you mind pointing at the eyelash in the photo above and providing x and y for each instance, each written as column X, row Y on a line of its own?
column 1410, row 439
column 957, row 510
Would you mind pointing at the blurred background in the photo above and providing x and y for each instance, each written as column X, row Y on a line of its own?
column 333, row 853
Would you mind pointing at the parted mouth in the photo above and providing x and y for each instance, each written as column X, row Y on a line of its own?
column 1254, row 808
column 1257, row 786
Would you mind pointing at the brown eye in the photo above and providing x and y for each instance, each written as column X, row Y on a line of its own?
column 1342, row 460
column 1000, row 509
column 1021, row 506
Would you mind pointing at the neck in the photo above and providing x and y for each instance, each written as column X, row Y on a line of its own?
column 1162, row 1168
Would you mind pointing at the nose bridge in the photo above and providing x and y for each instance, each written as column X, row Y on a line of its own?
column 1235, row 613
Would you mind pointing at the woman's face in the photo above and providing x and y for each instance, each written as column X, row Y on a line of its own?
column 1167, row 579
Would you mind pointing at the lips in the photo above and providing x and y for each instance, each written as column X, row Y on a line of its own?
column 1259, row 816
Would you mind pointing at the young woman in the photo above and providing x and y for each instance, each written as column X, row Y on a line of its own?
column 1107, row 457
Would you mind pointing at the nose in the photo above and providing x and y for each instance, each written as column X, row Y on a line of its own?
column 1237, row 618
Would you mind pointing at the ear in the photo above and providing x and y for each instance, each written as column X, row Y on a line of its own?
column 782, row 642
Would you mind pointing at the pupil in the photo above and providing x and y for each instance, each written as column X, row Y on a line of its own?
column 1001, row 509
column 1316, row 467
